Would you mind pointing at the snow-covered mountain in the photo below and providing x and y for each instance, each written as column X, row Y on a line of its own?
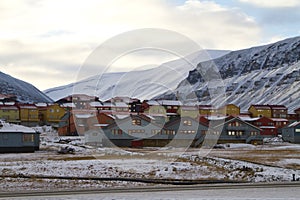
column 268, row 74
column 144, row 84
column 24, row 92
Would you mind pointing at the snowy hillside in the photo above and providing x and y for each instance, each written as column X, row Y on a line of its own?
column 25, row 92
column 267, row 74
column 144, row 84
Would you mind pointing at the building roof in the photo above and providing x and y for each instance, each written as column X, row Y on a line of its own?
column 279, row 120
column 120, row 104
column 169, row 103
column 248, row 119
column 68, row 105
column 152, row 103
column 95, row 104
column 278, row 107
column 83, row 116
column 8, row 107
column 41, row 104
column 264, row 107
column 294, row 124
column 267, row 127
column 268, row 106
column 27, row 106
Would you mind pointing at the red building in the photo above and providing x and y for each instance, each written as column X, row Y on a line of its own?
column 270, row 126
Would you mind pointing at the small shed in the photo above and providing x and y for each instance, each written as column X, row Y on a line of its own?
column 18, row 139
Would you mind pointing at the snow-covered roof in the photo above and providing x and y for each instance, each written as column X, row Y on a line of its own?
column 262, row 106
column 120, row 104
column 152, row 103
column 95, row 104
column 122, row 116
column 172, row 114
column 169, row 103
column 267, row 127
column 10, row 128
column 68, row 105
column 28, row 107
column 216, row 117
column 248, row 118
column 83, row 116
column 149, row 116
column 9, row 103
column 294, row 124
column 41, row 104
column 5, row 107
column 189, row 108
column 107, row 104
column 100, row 125
column 279, row 120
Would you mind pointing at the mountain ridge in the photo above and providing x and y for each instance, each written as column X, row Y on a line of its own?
column 165, row 76
column 258, row 75
column 25, row 92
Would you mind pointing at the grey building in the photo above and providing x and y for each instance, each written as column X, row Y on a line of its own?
column 123, row 132
column 16, row 138
column 291, row 133
column 186, row 131
column 235, row 130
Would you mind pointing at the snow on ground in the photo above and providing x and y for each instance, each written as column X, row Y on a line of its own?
column 169, row 163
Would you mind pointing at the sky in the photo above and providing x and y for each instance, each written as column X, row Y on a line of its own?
column 46, row 42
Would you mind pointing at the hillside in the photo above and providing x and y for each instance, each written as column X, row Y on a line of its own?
column 144, row 84
column 24, row 92
column 268, row 74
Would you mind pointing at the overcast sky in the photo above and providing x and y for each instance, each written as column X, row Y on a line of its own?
column 45, row 42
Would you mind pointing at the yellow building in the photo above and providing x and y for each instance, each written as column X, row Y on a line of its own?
column 29, row 114
column 189, row 111
column 260, row 111
column 229, row 109
column 50, row 114
column 207, row 110
column 10, row 113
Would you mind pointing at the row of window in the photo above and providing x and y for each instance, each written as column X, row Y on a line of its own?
column 187, row 122
column 253, row 133
column 53, row 110
column 237, row 133
column 167, row 132
column 234, row 124
column 188, row 132
column 136, row 122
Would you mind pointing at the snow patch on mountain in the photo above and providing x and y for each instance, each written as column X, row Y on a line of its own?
column 267, row 74
column 144, row 84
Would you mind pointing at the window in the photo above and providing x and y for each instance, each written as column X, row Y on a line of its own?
column 188, row 131
column 253, row 133
column 28, row 138
column 187, row 122
column 136, row 122
column 231, row 133
column 170, row 132
column 297, row 130
column 136, row 131
column 156, row 131
column 237, row 133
